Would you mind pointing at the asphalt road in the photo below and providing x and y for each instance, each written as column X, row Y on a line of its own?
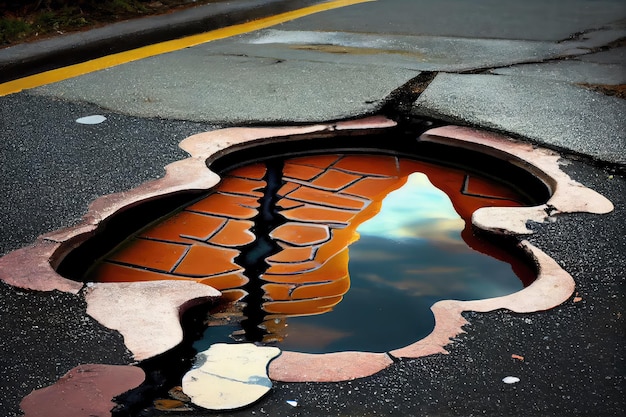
column 507, row 66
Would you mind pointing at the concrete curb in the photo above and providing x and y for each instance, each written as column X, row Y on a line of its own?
column 31, row 58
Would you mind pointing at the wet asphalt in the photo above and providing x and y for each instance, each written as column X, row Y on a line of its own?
column 573, row 365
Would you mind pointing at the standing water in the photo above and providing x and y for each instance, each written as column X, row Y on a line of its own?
column 328, row 253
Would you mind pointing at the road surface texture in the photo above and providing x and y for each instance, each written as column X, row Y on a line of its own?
column 547, row 72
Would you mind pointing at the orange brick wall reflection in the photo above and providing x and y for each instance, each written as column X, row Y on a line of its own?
column 323, row 199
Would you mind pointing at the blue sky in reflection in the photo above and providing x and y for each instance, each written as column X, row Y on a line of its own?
column 417, row 210
column 414, row 245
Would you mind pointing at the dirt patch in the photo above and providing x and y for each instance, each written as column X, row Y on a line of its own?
column 607, row 89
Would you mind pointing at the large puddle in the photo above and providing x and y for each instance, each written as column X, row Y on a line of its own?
column 329, row 252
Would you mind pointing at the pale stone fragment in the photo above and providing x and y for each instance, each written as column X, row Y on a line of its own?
column 147, row 313
column 229, row 376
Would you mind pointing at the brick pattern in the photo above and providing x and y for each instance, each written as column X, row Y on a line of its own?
column 198, row 243
column 323, row 199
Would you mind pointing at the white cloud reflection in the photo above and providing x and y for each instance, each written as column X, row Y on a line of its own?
column 417, row 210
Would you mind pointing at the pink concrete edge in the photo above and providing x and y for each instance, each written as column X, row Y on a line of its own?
column 86, row 390
column 30, row 268
column 552, row 287
column 326, row 367
column 146, row 313
column 568, row 196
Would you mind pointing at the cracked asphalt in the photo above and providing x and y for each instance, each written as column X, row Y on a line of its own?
column 539, row 71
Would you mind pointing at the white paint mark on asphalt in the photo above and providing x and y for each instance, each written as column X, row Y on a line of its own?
column 510, row 380
column 91, row 120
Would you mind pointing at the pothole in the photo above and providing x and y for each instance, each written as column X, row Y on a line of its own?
column 309, row 233
column 302, row 246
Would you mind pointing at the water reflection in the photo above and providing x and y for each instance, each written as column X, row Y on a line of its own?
column 410, row 255
column 420, row 229
column 367, row 240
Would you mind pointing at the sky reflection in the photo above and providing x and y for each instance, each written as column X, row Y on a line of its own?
column 417, row 210
column 407, row 246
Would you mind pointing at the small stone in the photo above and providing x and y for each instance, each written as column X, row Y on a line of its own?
column 510, row 380
column 165, row 404
column 292, row 403
column 178, row 394
column 229, row 376
column 91, row 120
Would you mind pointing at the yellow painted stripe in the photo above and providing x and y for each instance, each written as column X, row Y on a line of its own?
column 108, row 61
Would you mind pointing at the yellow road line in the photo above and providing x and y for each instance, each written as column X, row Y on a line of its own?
column 108, row 61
